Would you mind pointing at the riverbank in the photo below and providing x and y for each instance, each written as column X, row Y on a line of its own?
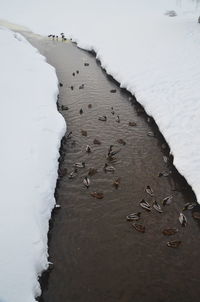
column 97, row 255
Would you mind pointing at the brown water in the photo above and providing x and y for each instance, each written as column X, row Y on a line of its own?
column 97, row 255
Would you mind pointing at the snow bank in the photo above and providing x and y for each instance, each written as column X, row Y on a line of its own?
column 30, row 134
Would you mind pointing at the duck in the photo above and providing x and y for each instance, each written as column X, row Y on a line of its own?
column 61, row 84
column 72, row 87
column 174, row 243
column 69, row 135
column 182, row 219
column 112, row 153
column 57, row 206
column 88, row 149
column 165, row 159
column 84, row 132
column 96, row 142
column 116, row 182
column 167, row 200
column 81, row 111
column 189, row 206
column 151, row 134
column 80, row 165
column 63, row 107
column 132, row 124
column 113, row 90
column 97, row 195
column 164, row 173
column 73, row 173
column 157, row 207
column 86, row 64
column 133, row 216
column 138, row 227
column 89, row 105
column 103, row 118
column 121, row 141
column 86, row 182
column 112, row 112
column 169, row 232
column 77, row 71
column 149, row 191
column 73, row 74
column 92, row 171
column 118, row 119
column 145, row 205
column 108, row 168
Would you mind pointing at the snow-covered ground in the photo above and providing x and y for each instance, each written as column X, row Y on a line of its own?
column 153, row 55
column 30, row 132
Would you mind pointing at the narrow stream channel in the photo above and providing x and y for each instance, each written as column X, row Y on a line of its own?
column 98, row 256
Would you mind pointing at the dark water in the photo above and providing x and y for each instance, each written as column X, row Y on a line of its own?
column 97, row 255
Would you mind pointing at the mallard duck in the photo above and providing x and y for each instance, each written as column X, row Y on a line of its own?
column 86, row 182
column 73, row 74
column 151, row 134
column 63, row 107
column 72, row 87
column 97, row 195
column 108, row 168
column 132, row 124
column 118, row 119
column 81, row 111
column 89, row 105
column 174, row 243
column 112, row 112
column 182, row 219
column 96, row 142
column 164, row 173
column 157, row 207
column 88, row 149
column 73, row 173
column 57, row 206
column 189, row 206
column 92, row 171
column 116, row 182
column 169, row 232
column 103, row 118
column 112, row 153
column 84, row 132
column 77, row 71
column 149, row 191
column 86, row 64
column 196, row 215
column 61, row 84
column 167, row 200
column 138, row 227
column 121, row 141
column 69, row 135
column 133, row 216
column 79, row 165
column 165, row 159
column 113, row 90
column 145, row 205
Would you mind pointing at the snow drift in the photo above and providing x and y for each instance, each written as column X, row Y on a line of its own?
column 154, row 55
column 30, row 132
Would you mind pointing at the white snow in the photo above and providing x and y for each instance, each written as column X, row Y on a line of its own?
column 153, row 55
column 30, row 132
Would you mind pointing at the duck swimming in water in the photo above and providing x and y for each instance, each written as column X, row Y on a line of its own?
column 174, row 243
column 149, row 190
column 138, row 227
column 167, row 200
column 118, row 119
column 113, row 90
column 112, row 153
column 169, row 232
column 189, row 206
column 108, row 168
column 97, row 195
column 86, row 182
column 73, row 74
column 133, row 216
column 88, row 149
column 92, row 171
column 151, row 134
column 164, row 173
column 84, row 132
column 96, row 142
column 157, row 207
column 121, row 141
column 73, row 173
column 145, row 205
column 132, row 124
column 102, row 118
column 81, row 111
column 89, row 105
column 182, row 219
column 116, row 182
column 79, row 165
